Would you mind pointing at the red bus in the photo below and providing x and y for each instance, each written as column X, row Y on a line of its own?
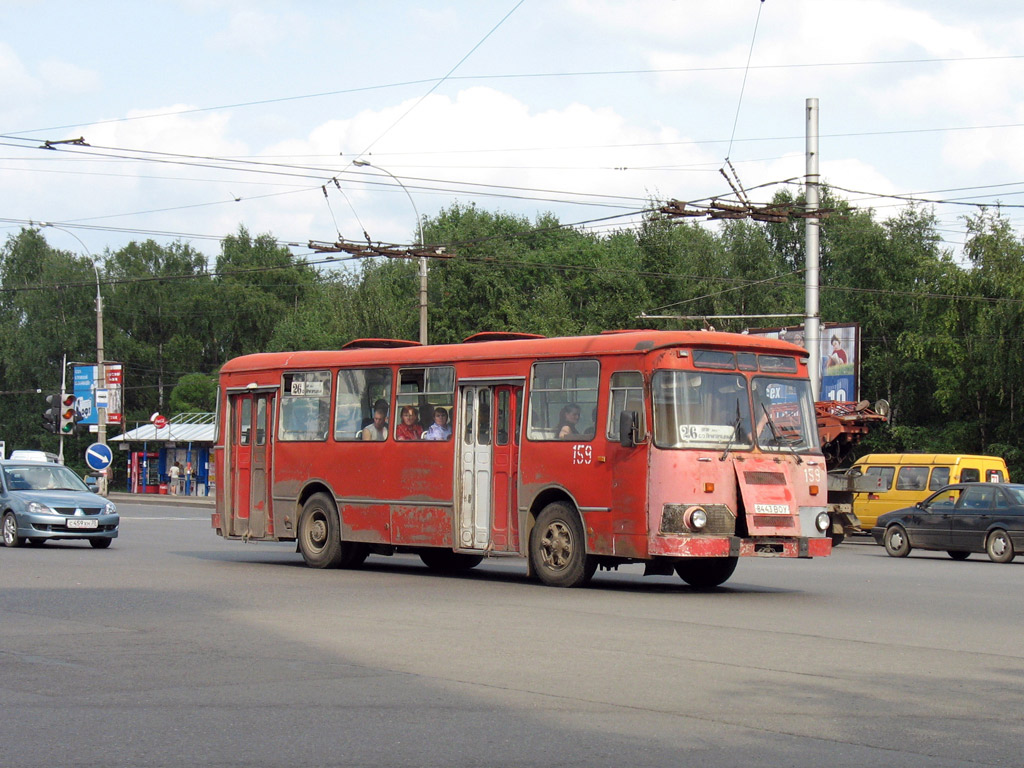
column 681, row 450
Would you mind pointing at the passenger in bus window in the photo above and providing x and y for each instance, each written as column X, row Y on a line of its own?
column 410, row 428
column 378, row 430
column 568, row 418
column 440, row 429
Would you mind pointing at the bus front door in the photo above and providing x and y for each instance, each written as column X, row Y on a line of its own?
column 259, row 472
column 250, row 463
column 241, row 463
column 488, row 471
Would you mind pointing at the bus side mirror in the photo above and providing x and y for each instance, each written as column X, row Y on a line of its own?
column 628, row 426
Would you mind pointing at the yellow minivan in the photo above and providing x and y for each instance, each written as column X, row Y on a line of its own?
column 903, row 479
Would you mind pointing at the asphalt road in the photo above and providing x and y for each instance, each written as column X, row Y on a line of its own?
column 176, row 648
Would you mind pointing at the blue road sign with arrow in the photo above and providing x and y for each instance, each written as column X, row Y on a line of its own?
column 98, row 456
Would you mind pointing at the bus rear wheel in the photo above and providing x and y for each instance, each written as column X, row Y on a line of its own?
column 446, row 561
column 706, row 572
column 558, row 549
column 319, row 534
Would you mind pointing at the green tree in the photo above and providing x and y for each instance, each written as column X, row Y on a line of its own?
column 158, row 318
column 194, row 392
column 47, row 310
column 258, row 284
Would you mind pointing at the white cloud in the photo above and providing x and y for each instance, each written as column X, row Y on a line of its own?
column 255, row 32
column 63, row 76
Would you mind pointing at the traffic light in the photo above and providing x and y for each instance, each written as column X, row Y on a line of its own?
column 51, row 416
column 67, row 414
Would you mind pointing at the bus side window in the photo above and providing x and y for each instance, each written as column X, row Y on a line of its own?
column 563, row 399
column 940, row 478
column 361, row 391
column 912, row 479
column 426, row 389
column 305, row 406
column 626, row 393
column 884, row 475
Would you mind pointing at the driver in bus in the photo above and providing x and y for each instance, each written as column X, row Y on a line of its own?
column 378, row 430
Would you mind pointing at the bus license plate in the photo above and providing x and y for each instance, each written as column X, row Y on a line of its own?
column 83, row 523
column 771, row 509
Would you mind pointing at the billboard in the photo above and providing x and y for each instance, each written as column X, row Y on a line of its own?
column 87, row 391
column 838, row 356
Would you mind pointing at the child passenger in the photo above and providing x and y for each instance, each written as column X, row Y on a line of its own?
column 440, row 429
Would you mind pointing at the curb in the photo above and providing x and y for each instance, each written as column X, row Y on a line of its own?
column 203, row 502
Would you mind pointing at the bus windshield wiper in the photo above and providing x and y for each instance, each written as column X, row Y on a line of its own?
column 777, row 438
column 735, row 430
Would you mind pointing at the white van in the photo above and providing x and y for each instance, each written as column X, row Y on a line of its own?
column 28, row 455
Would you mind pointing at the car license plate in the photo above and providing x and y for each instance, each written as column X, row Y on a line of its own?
column 83, row 522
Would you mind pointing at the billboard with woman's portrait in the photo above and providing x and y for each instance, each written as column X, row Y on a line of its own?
column 838, row 356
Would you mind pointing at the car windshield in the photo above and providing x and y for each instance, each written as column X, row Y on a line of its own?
column 42, row 478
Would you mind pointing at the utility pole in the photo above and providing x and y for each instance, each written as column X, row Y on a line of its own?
column 423, row 259
column 101, row 380
column 812, row 324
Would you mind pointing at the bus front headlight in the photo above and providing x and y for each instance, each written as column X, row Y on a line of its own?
column 823, row 522
column 696, row 518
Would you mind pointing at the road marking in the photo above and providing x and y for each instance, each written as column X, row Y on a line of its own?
column 205, row 519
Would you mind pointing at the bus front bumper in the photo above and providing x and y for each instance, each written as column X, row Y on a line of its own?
column 734, row 546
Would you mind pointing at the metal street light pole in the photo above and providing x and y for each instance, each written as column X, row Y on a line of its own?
column 101, row 378
column 423, row 259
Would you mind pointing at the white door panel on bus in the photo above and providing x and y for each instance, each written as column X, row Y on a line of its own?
column 475, row 468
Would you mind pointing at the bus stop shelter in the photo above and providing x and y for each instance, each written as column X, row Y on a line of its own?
column 186, row 439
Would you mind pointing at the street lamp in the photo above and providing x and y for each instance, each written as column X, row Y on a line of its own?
column 423, row 259
column 101, row 378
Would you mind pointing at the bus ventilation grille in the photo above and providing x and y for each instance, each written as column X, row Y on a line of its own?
column 764, row 478
column 721, row 521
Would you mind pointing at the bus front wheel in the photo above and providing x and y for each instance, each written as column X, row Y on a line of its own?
column 319, row 535
column 558, row 549
column 706, row 572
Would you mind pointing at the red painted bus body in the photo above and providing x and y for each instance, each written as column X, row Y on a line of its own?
column 682, row 450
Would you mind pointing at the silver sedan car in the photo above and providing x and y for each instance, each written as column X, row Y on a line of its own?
column 41, row 501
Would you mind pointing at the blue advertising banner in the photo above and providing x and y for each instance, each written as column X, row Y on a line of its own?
column 84, row 387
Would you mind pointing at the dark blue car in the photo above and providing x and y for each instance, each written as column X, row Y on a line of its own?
column 42, row 500
column 959, row 519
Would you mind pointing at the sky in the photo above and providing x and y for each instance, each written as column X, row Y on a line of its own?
column 200, row 117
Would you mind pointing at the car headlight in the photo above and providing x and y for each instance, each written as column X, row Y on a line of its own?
column 37, row 508
column 822, row 521
column 109, row 509
column 695, row 518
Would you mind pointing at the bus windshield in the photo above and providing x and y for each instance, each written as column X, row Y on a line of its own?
column 713, row 410
column 784, row 414
column 701, row 410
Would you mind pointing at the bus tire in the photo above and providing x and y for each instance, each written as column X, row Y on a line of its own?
column 446, row 561
column 319, row 533
column 558, row 549
column 706, row 572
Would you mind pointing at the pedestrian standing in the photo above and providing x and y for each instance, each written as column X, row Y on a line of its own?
column 175, row 474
